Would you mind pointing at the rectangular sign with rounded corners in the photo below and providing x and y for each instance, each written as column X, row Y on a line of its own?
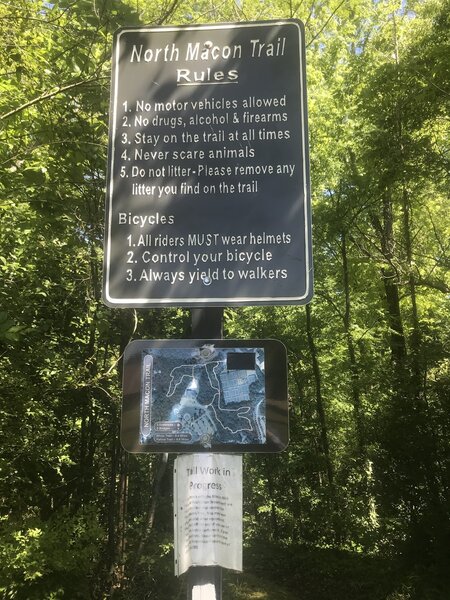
column 205, row 396
column 208, row 194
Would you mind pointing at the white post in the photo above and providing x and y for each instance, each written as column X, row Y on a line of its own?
column 204, row 583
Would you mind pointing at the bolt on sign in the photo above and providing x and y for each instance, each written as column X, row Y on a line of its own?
column 208, row 200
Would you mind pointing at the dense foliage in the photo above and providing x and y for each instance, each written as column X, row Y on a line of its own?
column 358, row 505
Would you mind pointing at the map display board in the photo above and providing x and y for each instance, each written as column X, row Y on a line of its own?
column 204, row 395
column 208, row 199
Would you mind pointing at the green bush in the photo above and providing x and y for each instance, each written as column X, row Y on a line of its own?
column 52, row 559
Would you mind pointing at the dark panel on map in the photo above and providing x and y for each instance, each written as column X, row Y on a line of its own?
column 244, row 361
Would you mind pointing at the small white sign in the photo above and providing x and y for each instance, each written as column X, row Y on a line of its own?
column 208, row 511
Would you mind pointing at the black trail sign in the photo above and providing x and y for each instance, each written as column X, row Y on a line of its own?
column 208, row 185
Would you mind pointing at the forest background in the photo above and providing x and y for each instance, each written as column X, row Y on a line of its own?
column 357, row 507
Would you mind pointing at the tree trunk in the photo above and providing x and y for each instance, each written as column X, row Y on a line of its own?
column 319, row 399
column 385, row 231
column 118, row 567
column 112, row 494
column 354, row 374
column 273, row 513
column 153, row 503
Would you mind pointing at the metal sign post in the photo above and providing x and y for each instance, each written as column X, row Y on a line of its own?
column 205, row 583
column 207, row 206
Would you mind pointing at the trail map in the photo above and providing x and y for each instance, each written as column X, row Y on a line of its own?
column 204, row 395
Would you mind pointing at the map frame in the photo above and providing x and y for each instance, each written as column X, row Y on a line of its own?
column 269, row 388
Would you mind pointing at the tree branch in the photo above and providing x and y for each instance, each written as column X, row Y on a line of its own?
column 326, row 23
column 434, row 284
column 48, row 95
